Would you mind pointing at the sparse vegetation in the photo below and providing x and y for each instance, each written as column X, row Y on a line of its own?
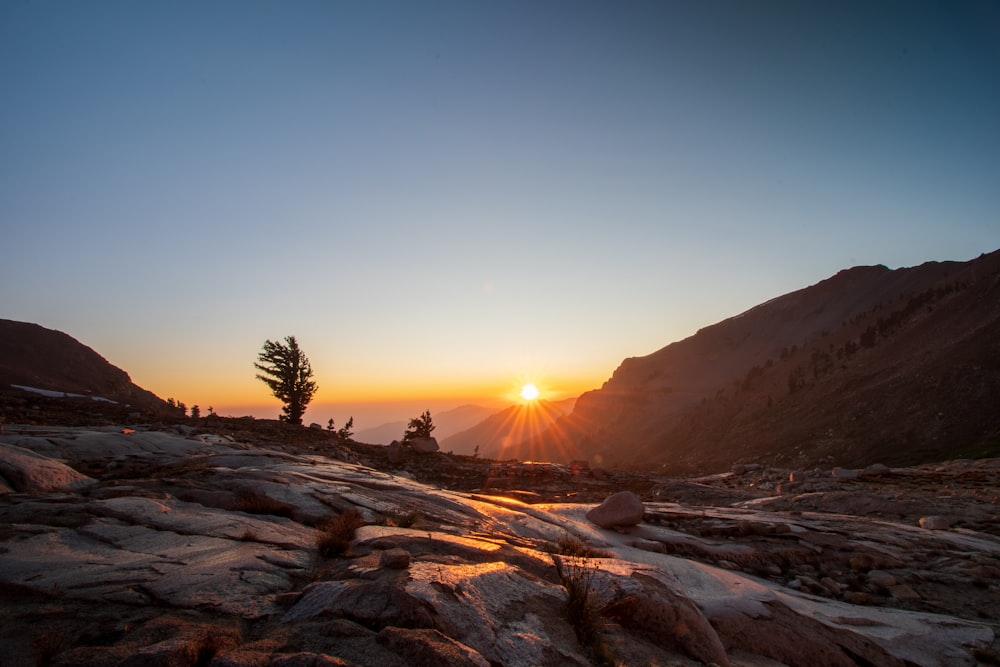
column 419, row 427
column 344, row 433
column 571, row 545
column 211, row 643
column 335, row 535
column 583, row 610
column 406, row 520
column 249, row 535
column 286, row 370
column 51, row 643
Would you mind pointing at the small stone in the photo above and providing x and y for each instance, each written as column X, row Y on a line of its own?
column 861, row 562
column 728, row 565
column 881, row 578
column 935, row 523
column 876, row 469
column 395, row 559
column 796, row 476
column 831, row 585
column 904, row 592
column 857, row 597
column 739, row 469
column 845, row 473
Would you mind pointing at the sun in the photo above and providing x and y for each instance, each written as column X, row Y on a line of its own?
column 529, row 392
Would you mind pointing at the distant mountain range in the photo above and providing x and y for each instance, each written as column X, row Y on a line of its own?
column 898, row 366
column 446, row 423
column 502, row 432
column 871, row 365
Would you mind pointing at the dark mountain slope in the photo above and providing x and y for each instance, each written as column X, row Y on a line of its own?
column 856, row 367
column 33, row 356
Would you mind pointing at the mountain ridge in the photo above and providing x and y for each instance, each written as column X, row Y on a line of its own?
column 492, row 436
column 447, row 423
column 34, row 356
column 645, row 411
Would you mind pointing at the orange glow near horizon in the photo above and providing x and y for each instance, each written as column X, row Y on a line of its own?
column 370, row 394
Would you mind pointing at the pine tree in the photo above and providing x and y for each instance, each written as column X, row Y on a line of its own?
column 286, row 370
column 420, row 427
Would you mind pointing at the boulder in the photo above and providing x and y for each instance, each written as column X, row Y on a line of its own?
column 876, row 470
column 796, row 476
column 395, row 452
column 618, row 510
column 395, row 559
column 845, row 473
column 424, row 445
column 904, row 592
column 28, row 472
column 881, row 579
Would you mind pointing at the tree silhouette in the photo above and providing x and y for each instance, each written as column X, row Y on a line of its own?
column 420, row 427
column 286, row 370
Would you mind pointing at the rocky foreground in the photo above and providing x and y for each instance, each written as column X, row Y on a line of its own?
column 140, row 547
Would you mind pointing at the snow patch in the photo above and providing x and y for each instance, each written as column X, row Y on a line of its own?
column 60, row 394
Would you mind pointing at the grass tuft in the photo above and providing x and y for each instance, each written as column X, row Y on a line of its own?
column 249, row 535
column 336, row 534
column 571, row 545
column 583, row 610
column 407, row 520
column 51, row 643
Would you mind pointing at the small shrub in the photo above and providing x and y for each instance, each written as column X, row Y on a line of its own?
column 571, row 545
column 335, row 535
column 583, row 610
column 51, row 643
column 407, row 520
column 211, row 644
column 249, row 535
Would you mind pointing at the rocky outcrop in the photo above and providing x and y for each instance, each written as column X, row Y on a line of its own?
column 25, row 471
column 185, row 550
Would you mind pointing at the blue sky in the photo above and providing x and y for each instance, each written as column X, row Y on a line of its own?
column 443, row 200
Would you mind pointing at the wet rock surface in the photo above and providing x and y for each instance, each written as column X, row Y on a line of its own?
column 161, row 547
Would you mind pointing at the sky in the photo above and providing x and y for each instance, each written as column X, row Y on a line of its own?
column 443, row 201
